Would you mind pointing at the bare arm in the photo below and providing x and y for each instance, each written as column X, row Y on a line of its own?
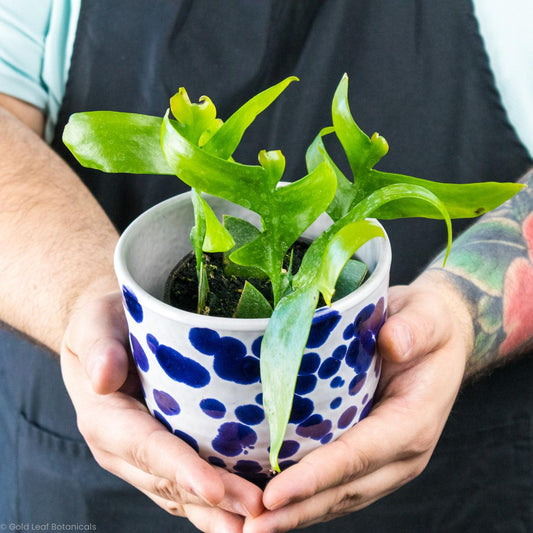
column 57, row 243
column 57, row 284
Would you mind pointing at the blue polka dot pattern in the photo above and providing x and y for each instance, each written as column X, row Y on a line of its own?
column 227, row 425
column 191, row 441
column 213, row 408
column 233, row 438
column 166, row 403
column 181, row 368
column 324, row 322
column 138, row 354
column 132, row 305
column 250, row 414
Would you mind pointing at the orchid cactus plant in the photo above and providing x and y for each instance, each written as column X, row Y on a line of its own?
column 191, row 142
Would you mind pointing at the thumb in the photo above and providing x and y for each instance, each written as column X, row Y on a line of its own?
column 97, row 336
column 418, row 324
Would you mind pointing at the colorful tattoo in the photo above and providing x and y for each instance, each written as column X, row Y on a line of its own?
column 492, row 265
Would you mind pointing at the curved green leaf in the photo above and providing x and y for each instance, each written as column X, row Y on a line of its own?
column 224, row 142
column 241, row 184
column 111, row 141
column 461, row 200
column 338, row 251
column 282, row 348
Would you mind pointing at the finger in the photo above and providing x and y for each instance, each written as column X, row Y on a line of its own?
column 206, row 519
column 213, row 520
column 389, row 434
column 241, row 496
column 121, row 426
column 417, row 325
column 101, row 348
column 338, row 501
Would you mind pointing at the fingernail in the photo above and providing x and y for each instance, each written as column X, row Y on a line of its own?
column 404, row 341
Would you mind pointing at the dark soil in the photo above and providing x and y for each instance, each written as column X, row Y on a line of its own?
column 181, row 288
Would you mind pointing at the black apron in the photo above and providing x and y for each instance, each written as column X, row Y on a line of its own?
column 419, row 75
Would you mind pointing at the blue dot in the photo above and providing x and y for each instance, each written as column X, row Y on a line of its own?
column 305, row 384
column 188, row 439
column 232, row 364
column 233, row 438
column 256, row 346
column 283, row 465
column 250, row 414
column 337, row 383
column 356, row 384
column 166, row 403
column 181, row 368
column 259, row 398
column 152, row 342
column 353, row 353
column 365, row 410
column 348, row 332
column 288, row 449
column 205, row 340
column 132, row 304
column 301, row 409
column 247, row 467
column 161, row 419
column 364, row 315
column 327, row 438
column 310, row 363
column 213, row 408
column 138, row 354
column 335, row 404
column 314, row 427
column 339, row 352
column 324, row 322
column 329, row 368
column 216, row 461
column 347, row 417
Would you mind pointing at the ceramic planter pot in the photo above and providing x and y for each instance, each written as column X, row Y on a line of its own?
column 200, row 374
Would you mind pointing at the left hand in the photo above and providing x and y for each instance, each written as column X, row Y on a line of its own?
column 425, row 344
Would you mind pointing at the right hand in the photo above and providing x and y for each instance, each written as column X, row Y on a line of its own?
column 127, row 441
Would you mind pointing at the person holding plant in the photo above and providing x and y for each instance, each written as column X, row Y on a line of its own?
column 446, row 327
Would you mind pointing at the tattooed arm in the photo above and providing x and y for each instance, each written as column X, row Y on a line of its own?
column 491, row 265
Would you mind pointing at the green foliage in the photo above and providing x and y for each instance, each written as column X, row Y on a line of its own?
column 198, row 147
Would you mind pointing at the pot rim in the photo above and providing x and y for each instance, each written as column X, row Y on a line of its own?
column 157, row 306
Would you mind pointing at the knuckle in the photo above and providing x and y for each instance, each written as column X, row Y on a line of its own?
column 138, row 455
column 173, row 508
column 349, row 500
column 421, row 444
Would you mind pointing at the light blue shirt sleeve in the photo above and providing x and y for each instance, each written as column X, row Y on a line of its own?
column 36, row 42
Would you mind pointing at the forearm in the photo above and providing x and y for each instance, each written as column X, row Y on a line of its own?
column 491, row 268
column 57, row 243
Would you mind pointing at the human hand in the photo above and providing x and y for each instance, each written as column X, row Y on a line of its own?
column 127, row 441
column 424, row 343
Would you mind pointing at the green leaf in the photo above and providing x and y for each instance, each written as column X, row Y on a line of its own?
column 461, row 200
column 252, row 304
column 316, row 154
column 351, row 277
column 355, row 142
column 241, row 184
column 217, row 237
column 338, row 251
column 117, row 142
column 242, row 232
column 224, row 142
column 197, row 122
column 282, row 348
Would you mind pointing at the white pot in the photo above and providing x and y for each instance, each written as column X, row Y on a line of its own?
column 200, row 374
